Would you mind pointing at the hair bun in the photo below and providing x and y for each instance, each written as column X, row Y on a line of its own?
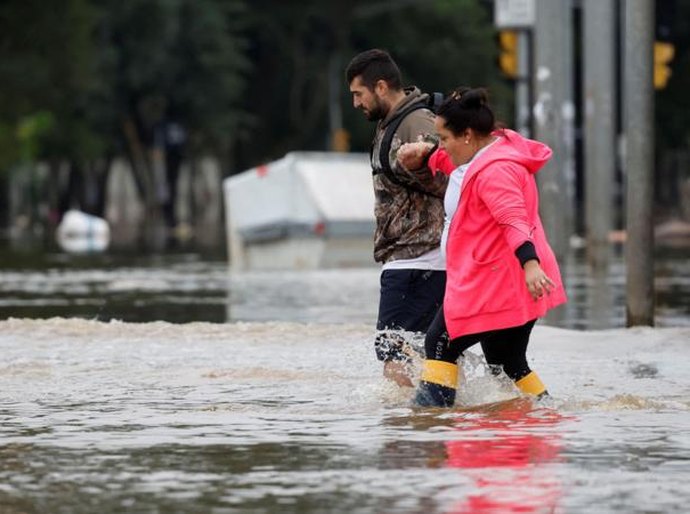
column 467, row 108
column 474, row 98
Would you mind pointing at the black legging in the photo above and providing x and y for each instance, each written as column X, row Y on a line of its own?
column 505, row 348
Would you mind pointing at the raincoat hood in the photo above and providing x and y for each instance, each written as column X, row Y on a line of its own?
column 515, row 148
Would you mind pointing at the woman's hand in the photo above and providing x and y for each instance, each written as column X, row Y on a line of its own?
column 537, row 281
column 411, row 155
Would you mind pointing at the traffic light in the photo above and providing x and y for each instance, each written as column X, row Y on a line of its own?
column 663, row 54
column 508, row 56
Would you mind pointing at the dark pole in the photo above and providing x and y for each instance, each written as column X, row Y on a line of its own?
column 639, row 161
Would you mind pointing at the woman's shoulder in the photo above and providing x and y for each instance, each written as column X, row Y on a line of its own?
column 502, row 171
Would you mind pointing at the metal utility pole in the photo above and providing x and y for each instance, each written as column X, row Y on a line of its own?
column 638, row 95
column 522, row 85
column 553, row 114
column 599, row 126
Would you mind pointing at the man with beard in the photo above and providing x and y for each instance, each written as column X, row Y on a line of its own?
column 408, row 209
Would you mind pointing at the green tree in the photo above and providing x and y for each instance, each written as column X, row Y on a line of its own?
column 46, row 71
column 439, row 45
column 247, row 80
column 108, row 72
column 163, row 60
column 293, row 44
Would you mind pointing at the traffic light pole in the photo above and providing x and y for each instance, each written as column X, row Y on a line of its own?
column 639, row 162
column 553, row 112
column 599, row 126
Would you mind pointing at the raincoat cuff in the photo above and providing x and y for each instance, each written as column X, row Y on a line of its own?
column 526, row 252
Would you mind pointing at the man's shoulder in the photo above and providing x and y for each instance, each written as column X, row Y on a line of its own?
column 418, row 122
column 420, row 113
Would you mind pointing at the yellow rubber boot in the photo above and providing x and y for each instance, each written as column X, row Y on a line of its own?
column 438, row 384
column 532, row 384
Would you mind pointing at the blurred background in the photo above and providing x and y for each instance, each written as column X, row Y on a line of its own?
column 157, row 89
column 135, row 112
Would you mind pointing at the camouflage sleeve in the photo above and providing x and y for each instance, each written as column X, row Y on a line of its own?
column 417, row 125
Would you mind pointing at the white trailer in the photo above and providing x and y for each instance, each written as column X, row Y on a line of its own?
column 308, row 210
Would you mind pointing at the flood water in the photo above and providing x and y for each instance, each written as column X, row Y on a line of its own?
column 164, row 384
column 185, row 287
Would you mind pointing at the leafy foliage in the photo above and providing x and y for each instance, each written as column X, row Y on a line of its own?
column 438, row 45
column 46, row 66
column 93, row 63
column 248, row 80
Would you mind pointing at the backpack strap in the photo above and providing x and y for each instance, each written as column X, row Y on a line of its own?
column 435, row 101
column 387, row 141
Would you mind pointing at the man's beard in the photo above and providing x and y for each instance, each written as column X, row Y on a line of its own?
column 378, row 112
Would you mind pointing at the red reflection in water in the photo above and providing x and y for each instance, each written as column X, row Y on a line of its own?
column 505, row 453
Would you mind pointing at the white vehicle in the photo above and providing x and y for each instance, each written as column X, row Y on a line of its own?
column 308, row 210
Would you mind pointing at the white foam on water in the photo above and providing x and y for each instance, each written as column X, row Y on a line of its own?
column 633, row 368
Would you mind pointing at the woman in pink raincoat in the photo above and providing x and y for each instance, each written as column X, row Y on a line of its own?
column 501, row 272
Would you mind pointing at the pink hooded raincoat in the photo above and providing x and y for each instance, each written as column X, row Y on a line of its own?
column 498, row 211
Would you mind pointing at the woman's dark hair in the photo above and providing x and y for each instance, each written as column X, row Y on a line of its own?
column 468, row 108
column 374, row 65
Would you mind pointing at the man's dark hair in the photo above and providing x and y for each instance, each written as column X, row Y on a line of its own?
column 374, row 65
